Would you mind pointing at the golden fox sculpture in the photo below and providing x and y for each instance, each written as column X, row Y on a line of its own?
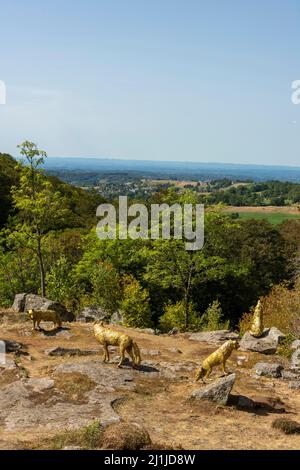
column 257, row 326
column 44, row 315
column 219, row 357
column 108, row 337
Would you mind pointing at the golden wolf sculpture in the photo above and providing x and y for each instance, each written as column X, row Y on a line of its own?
column 257, row 327
column 44, row 315
column 108, row 337
column 219, row 357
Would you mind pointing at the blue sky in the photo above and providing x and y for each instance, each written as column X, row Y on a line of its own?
column 152, row 79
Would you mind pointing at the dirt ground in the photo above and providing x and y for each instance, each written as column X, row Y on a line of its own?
column 158, row 400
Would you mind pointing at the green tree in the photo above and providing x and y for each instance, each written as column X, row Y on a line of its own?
column 41, row 209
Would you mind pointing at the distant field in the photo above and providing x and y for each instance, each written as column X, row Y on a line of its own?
column 274, row 215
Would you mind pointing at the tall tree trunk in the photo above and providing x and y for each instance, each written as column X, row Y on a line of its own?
column 187, row 309
column 42, row 268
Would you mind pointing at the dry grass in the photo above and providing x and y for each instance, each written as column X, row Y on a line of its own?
column 89, row 437
column 74, row 385
column 287, row 426
column 125, row 436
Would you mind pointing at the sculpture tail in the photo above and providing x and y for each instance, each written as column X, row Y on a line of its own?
column 136, row 353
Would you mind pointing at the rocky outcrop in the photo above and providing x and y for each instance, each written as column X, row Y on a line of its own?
column 268, row 370
column 91, row 314
column 25, row 302
column 39, row 402
column 266, row 344
column 19, row 303
column 295, row 359
column 13, row 346
column 217, row 392
column 218, row 336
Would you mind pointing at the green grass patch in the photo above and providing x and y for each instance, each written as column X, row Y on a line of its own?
column 275, row 218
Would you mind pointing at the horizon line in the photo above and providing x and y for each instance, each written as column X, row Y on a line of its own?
column 176, row 161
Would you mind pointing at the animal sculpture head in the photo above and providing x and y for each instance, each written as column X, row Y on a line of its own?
column 234, row 343
column 30, row 314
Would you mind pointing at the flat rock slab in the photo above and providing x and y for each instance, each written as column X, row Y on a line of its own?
column 288, row 375
column 37, row 403
column 108, row 376
column 268, row 370
column 218, row 336
column 295, row 385
column 150, row 352
column 266, row 344
column 217, row 392
column 68, row 352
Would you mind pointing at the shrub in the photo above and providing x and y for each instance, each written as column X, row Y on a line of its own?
column 61, row 285
column 88, row 437
column 213, row 318
column 174, row 317
column 106, row 285
column 18, row 273
column 287, row 426
column 135, row 304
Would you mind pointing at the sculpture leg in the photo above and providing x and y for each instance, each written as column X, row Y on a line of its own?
column 208, row 372
column 224, row 368
column 106, row 353
column 129, row 350
column 122, row 354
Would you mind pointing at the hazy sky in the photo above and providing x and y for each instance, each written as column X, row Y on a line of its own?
column 152, row 79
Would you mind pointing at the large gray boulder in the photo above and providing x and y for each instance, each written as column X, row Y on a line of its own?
column 295, row 344
column 19, row 303
column 25, row 302
column 295, row 359
column 267, row 369
column 218, row 336
column 266, row 344
column 276, row 335
column 92, row 313
column 217, row 392
column 116, row 318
